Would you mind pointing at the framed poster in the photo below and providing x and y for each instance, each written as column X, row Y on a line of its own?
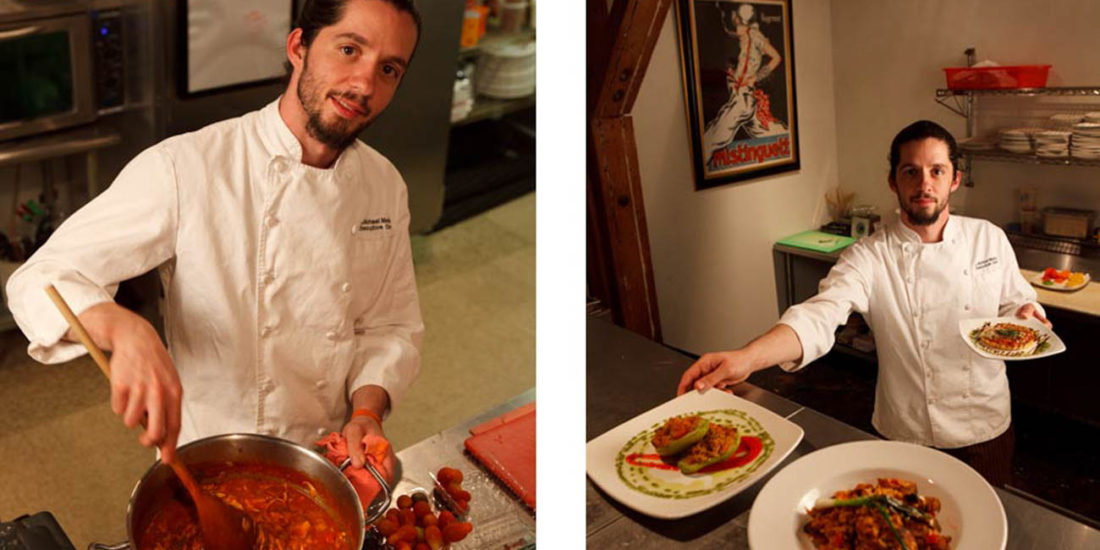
column 229, row 44
column 738, row 73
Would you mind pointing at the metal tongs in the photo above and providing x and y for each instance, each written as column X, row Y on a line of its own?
column 377, row 506
column 445, row 499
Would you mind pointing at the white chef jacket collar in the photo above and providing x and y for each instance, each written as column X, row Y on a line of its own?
column 907, row 235
column 284, row 142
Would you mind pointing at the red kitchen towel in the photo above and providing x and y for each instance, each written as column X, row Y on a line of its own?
column 335, row 449
column 507, row 449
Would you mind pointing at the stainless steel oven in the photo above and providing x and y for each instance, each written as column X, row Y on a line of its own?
column 46, row 67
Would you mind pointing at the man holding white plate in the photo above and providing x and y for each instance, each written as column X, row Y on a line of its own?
column 913, row 282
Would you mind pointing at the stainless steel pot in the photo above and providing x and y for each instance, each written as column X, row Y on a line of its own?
column 157, row 484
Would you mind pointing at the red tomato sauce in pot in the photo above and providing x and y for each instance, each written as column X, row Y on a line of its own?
column 288, row 509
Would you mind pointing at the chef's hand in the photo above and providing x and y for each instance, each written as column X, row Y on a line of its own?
column 145, row 387
column 1029, row 310
column 715, row 370
column 359, row 433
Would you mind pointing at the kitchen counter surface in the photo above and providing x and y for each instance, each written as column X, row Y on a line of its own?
column 1086, row 300
column 500, row 519
column 628, row 374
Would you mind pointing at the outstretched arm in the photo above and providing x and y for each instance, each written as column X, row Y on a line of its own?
column 729, row 368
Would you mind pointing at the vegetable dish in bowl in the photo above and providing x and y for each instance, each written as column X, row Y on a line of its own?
column 889, row 514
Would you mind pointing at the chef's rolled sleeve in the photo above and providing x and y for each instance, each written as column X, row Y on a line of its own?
column 127, row 230
column 815, row 321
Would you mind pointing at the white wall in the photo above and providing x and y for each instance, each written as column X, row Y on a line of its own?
column 712, row 249
column 864, row 69
column 888, row 57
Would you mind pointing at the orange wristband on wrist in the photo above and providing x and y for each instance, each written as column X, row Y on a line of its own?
column 368, row 413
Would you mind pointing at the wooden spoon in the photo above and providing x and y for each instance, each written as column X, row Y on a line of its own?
column 223, row 526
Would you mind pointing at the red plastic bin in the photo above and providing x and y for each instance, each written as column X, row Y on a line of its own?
column 995, row 78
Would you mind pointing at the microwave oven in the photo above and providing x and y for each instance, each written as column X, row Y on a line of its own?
column 60, row 65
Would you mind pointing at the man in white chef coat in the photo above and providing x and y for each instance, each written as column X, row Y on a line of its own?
column 912, row 282
column 282, row 243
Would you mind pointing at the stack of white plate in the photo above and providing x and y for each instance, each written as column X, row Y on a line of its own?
column 507, row 69
column 1085, row 143
column 1065, row 121
column 1092, row 117
column 1015, row 140
column 977, row 144
column 1052, row 143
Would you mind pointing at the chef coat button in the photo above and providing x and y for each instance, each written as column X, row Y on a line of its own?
column 265, row 331
column 967, row 307
column 346, row 287
column 272, row 221
column 966, row 272
column 279, row 164
column 909, row 279
column 331, row 335
column 269, row 277
column 966, row 395
column 321, row 384
column 931, row 401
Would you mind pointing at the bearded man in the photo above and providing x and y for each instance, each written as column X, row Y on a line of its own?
column 913, row 283
column 282, row 246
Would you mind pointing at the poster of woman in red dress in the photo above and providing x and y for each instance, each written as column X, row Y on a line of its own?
column 739, row 84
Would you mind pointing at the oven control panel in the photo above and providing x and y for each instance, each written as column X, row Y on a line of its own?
column 109, row 56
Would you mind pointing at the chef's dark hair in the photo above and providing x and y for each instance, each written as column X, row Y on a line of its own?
column 318, row 14
column 923, row 129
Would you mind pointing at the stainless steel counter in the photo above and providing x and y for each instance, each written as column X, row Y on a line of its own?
column 500, row 519
column 628, row 375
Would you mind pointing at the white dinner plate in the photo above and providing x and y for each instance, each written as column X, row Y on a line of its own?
column 671, row 494
column 970, row 511
column 1037, row 280
column 1054, row 344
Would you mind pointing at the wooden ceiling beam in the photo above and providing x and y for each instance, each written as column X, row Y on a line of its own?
column 619, row 54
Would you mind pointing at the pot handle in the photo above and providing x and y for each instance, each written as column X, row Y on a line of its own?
column 119, row 546
column 380, row 506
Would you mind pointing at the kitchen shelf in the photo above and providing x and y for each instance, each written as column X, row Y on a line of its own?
column 964, row 109
column 493, row 37
column 490, row 108
column 66, row 142
column 961, row 102
column 1064, row 90
column 1005, row 156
